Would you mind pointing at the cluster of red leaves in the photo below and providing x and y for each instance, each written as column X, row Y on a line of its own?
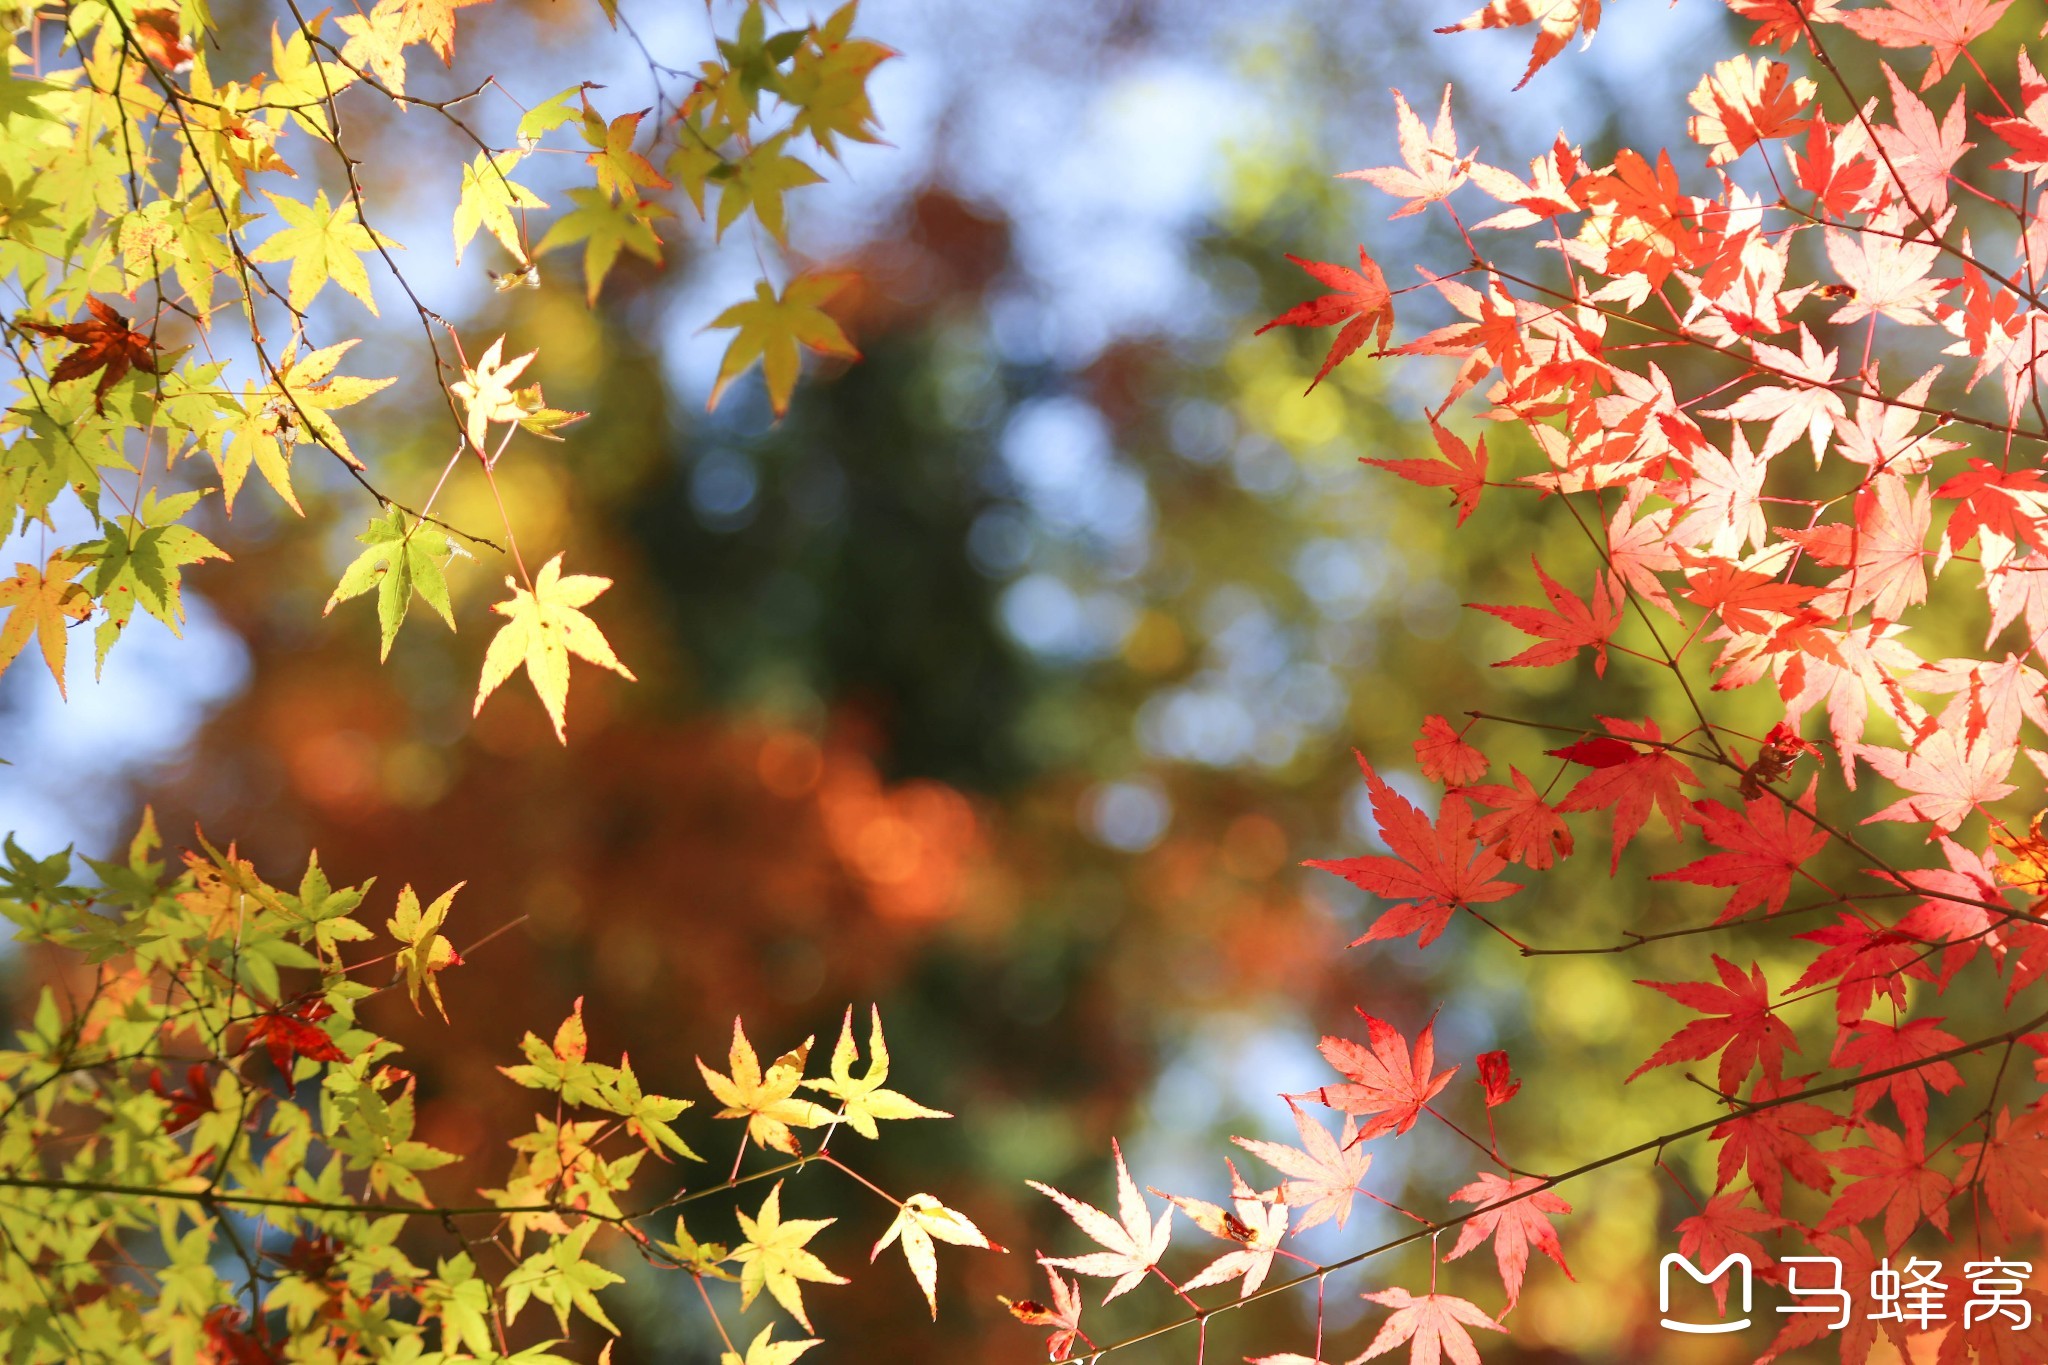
column 1713, row 557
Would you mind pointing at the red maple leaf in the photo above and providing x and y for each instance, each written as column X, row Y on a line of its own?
column 2027, row 135
column 1523, row 826
column 1870, row 1045
column 106, row 344
column 1385, row 1078
column 1435, row 1323
column 1722, row 1229
column 1496, row 1078
column 1556, row 21
column 1064, row 1316
column 1774, row 1143
column 1569, row 626
column 1433, row 871
column 1897, row 1183
column 1767, row 842
column 293, row 1031
column 1323, row 1172
column 1445, row 756
column 1865, row 960
column 1464, row 474
column 188, row 1104
column 2002, row 505
column 1944, row 27
column 1739, row 1020
column 1515, row 1215
column 2012, row 1166
column 1634, row 784
column 1361, row 302
column 230, row 1343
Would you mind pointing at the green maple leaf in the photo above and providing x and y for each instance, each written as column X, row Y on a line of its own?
column 758, row 181
column 773, row 1257
column 545, row 626
column 140, row 561
column 605, row 228
column 401, row 560
column 323, row 242
column 562, row 1279
column 771, row 327
column 488, row 198
column 864, row 1097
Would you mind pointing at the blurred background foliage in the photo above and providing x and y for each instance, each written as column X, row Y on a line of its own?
column 1005, row 682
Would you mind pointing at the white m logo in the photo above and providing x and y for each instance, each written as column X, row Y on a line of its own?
column 1736, row 1259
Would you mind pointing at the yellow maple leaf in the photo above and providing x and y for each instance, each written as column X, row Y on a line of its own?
column 426, row 953
column 865, row 1098
column 2028, row 868
column 773, row 1257
column 921, row 1219
column 767, row 1101
column 762, row 1351
column 770, row 327
column 487, row 395
column 45, row 602
column 545, row 627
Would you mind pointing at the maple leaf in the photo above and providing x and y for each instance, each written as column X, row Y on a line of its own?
column 1433, row 167
column 1433, row 871
column 1255, row 1223
column 1897, row 1183
column 1464, row 474
column 919, row 1220
column 186, row 1105
column 323, row 242
column 758, row 181
column 1323, row 1173
column 427, row 953
column 1944, row 27
column 1887, row 275
column 773, row 1256
column 2027, row 135
column 827, row 80
column 377, row 40
column 1723, row 1228
column 1767, row 842
column 1556, row 21
column 2027, row 865
column 1515, row 1214
column 1444, row 756
column 400, row 560
column 2012, row 1166
column 766, row 1100
column 545, row 626
column 1871, row 1045
column 1633, row 781
column 1744, row 102
column 1523, row 827
column 106, row 343
column 1568, row 627
column 1774, row 1142
column 605, row 228
column 1807, row 406
column 433, row 22
column 1384, row 1079
column 771, row 326
column 1360, row 301
column 42, row 604
column 1945, row 778
column 763, row 1351
column 864, row 1099
column 1133, row 1242
column 621, row 170
column 1496, row 1078
column 1434, row 1323
column 1740, row 1020
column 1919, row 153
column 1063, row 1316
column 489, row 196
column 293, row 1031
column 487, row 394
